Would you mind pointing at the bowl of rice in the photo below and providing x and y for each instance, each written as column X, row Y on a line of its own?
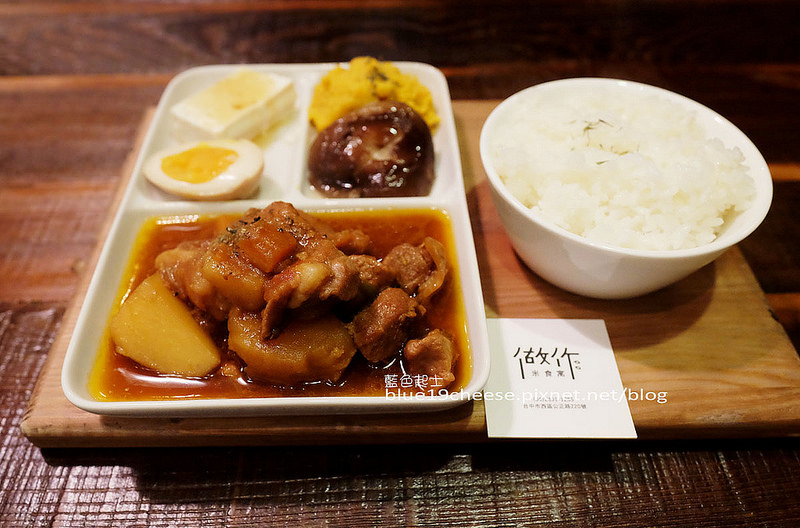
column 613, row 189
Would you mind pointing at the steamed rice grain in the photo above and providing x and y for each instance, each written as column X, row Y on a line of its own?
column 634, row 173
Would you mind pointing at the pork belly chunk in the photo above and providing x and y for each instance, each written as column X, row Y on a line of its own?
column 321, row 273
column 212, row 277
column 317, row 270
column 419, row 270
column 351, row 241
column 373, row 275
column 409, row 264
column 381, row 329
column 433, row 356
column 284, row 217
column 343, row 281
column 234, row 277
column 296, row 286
column 181, row 268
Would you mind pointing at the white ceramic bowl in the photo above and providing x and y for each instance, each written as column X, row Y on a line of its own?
column 578, row 265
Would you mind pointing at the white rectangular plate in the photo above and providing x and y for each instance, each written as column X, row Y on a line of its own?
column 285, row 179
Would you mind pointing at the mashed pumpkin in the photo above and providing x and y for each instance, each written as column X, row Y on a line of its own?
column 367, row 79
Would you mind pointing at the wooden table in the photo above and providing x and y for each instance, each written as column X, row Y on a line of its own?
column 77, row 80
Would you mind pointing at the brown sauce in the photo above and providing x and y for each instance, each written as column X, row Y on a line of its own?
column 116, row 378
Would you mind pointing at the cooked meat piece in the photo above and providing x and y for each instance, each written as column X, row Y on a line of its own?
column 301, row 226
column 351, row 241
column 372, row 274
column 419, row 269
column 372, row 279
column 433, row 356
column 267, row 245
column 213, row 276
column 290, row 289
column 233, row 276
column 305, row 351
column 275, row 258
column 343, row 281
column 308, row 278
column 409, row 264
column 182, row 271
column 314, row 244
column 322, row 273
column 381, row 329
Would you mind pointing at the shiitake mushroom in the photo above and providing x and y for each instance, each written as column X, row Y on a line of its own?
column 381, row 149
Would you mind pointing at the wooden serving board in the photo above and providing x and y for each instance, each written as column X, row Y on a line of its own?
column 709, row 342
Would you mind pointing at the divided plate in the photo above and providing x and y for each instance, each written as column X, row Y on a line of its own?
column 285, row 178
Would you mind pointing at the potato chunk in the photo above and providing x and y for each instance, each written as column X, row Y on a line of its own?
column 305, row 351
column 156, row 330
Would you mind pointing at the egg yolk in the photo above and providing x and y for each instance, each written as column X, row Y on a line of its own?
column 198, row 164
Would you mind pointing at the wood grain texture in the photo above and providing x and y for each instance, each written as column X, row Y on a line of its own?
column 563, row 484
column 708, row 343
column 786, row 307
column 744, row 65
column 63, row 142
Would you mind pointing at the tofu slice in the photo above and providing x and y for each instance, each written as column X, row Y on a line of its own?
column 239, row 106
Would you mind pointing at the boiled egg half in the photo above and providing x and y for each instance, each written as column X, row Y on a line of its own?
column 220, row 169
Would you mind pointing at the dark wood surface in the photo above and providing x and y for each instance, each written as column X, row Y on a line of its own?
column 76, row 80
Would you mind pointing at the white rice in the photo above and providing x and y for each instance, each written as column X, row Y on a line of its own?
column 630, row 172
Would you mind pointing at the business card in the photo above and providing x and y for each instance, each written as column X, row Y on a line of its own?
column 554, row 378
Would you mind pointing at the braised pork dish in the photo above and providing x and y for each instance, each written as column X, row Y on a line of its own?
column 282, row 302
